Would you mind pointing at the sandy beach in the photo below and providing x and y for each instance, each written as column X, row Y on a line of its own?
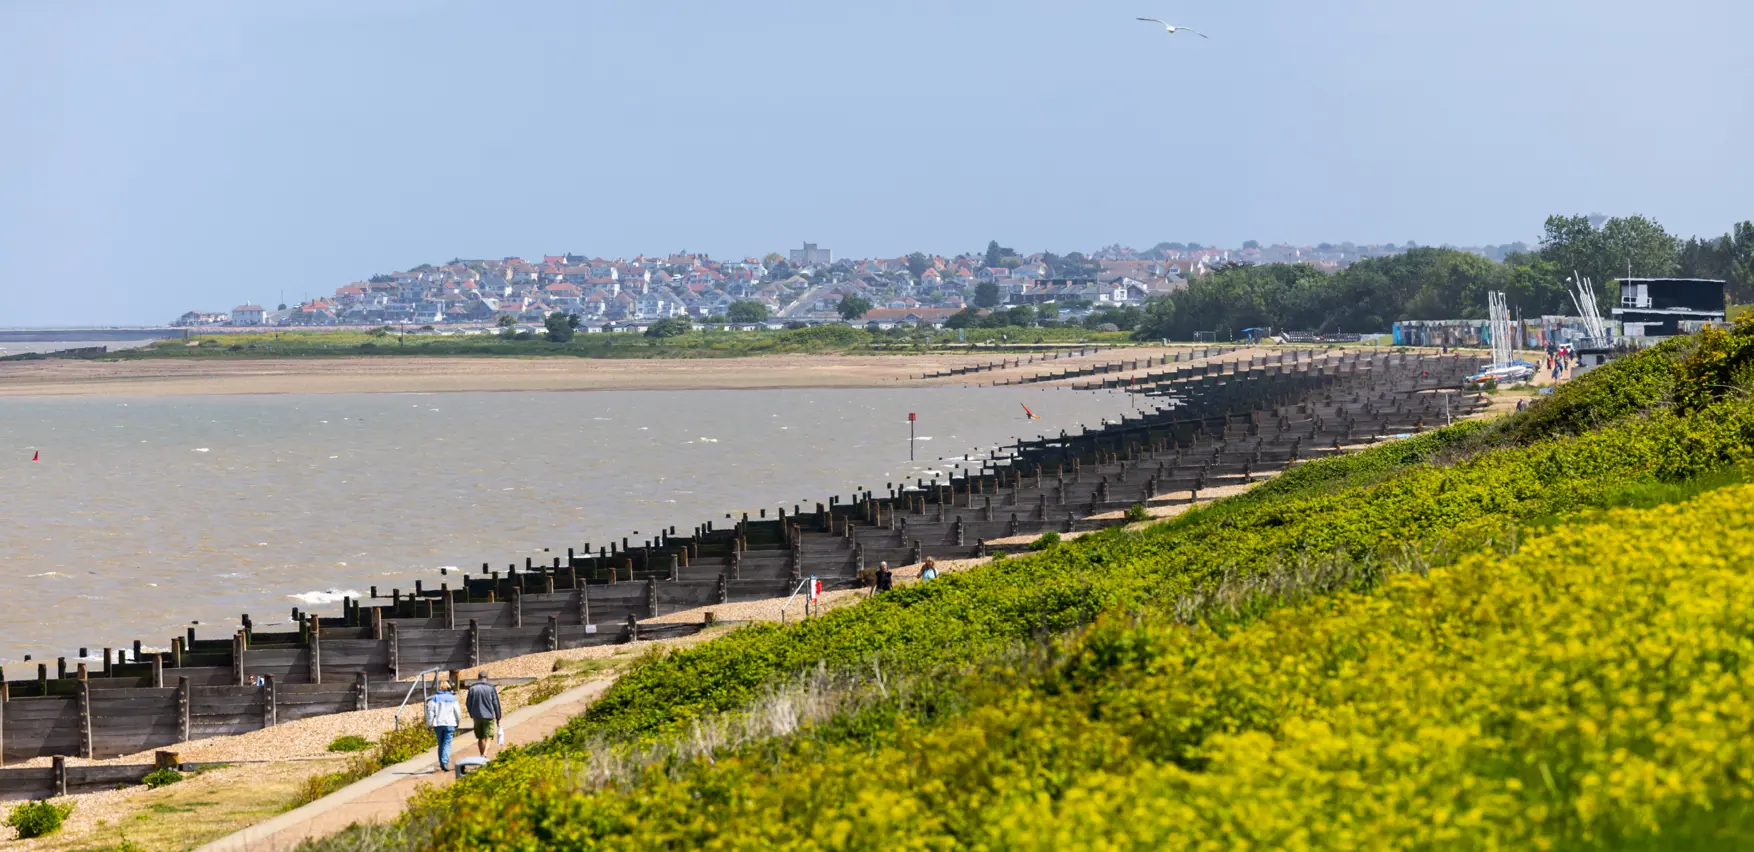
column 441, row 375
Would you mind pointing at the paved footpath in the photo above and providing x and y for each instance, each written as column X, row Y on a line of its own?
column 381, row 797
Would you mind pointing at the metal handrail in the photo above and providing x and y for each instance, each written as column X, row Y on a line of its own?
column 420, row 681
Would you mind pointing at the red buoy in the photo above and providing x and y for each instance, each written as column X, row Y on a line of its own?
column 36, row 455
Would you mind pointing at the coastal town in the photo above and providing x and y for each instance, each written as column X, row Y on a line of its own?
column 807, row 285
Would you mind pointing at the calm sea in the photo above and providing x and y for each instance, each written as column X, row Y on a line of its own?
column 146, row 515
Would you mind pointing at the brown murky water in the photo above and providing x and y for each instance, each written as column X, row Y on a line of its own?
column 145, row 515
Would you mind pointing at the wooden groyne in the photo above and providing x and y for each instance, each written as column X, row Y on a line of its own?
column 1244, row 421
column 1009, row 363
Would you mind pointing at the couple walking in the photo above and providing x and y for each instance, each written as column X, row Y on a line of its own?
column 444, row 716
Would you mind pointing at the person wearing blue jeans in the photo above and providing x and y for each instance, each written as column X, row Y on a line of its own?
column 443, row 715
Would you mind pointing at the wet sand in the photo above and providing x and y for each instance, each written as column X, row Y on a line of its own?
column 441, row 375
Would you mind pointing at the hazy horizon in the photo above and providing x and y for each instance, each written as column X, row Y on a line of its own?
column 198, row 155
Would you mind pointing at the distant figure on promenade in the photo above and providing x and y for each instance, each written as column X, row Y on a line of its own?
column 885, row 577
column 483, row 704
column 443, row 716
column 929, row 571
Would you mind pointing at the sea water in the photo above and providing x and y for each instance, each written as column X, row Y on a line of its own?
column 145, row 516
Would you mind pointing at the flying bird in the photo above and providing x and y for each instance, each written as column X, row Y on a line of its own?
column 1172, row 28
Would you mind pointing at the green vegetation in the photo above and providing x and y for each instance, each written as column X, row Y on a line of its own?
column 1137, row 513
column 560, row 327
column 350, row 743
column 1439, row 283
column 163, row 777
column 392, row 748
column 747, row 312
column 1047, row 541
column 1528, row 633
column 37, row 819
column 678, row 340
column 852, row 307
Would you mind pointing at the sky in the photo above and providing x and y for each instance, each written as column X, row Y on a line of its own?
column 158, row 157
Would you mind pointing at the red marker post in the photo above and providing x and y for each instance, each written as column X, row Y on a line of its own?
column 911, row 417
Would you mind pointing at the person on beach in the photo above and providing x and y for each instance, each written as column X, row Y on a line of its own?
column 885, row 577
column 929, row 571
column 443, row 716
column 483, row 703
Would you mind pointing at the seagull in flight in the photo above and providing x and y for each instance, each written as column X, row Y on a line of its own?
column 1172, row 28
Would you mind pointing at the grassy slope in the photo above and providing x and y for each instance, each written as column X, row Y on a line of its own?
column 1438, row 499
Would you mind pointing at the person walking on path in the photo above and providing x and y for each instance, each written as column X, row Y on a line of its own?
column 443, row 716
column 929, row 571
column 483, row 703
column 885, row 577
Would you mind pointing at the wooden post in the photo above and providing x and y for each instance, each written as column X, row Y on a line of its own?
column 378, row 623
column 157, row 671
column 553, row 634
column 316, row 650
column 85, row 734
column 517, row 608
column 450, row 607
column 59, row 764
column 237, row 658
column 270, row 699
column 585, row 604
column 177, row 651
column 183, row 701
column 474, row 643
column 361, row 689
column 632, row 628
column 395, row 661
column 652, row 597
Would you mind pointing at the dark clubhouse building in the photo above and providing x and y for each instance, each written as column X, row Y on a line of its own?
column 1665, row 307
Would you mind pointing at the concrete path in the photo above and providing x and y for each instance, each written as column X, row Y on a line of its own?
column 381, row 797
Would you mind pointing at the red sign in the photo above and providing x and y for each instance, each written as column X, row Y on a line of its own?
column 911, row 417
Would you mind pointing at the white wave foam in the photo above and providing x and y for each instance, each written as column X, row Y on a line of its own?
column 325, row 597
column 199, row 450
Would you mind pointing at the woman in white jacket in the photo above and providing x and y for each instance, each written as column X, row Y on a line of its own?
column 443, row 715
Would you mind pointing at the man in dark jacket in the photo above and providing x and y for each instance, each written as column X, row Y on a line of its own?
column 483, row 704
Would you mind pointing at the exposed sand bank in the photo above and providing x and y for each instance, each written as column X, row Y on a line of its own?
column 442, row 375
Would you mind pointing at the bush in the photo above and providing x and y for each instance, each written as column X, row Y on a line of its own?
column 350, row 743
column 403, row 743
column 38, row 819
column 161, row 778
column 1437, row 499
column 672, row 327
column 1137, row 513
column 1048, row 541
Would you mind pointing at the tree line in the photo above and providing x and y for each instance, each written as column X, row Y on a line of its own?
column 1441, row 283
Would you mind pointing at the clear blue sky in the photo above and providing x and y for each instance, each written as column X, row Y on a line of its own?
column 157, row 157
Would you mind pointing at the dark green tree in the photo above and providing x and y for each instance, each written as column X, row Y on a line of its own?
column 672, row 327
column 747, row 311
column 1021, row 316
column 917, row 264
column 852, row 307
column 561, row 326
column 986, row 294
column 965, row 318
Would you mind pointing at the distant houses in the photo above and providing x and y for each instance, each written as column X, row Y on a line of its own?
column 809, row 287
